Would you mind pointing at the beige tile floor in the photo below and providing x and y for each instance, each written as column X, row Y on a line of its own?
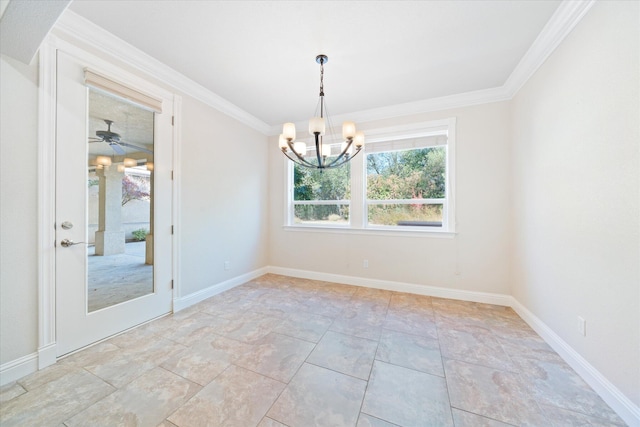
column 279, row 351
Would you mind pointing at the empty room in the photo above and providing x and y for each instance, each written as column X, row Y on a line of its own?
column 319, row 213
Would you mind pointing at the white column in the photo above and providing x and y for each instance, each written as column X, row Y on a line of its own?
column 110, row 236
column 148, row 258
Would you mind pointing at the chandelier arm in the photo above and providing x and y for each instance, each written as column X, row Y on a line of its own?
column 297, row 161
column 333, row 165
column 349, row 142
column 301, row 161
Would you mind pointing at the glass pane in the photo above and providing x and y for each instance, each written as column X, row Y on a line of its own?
column 409, row 174
column 321, row 214
column 415, row 215
column 120, row 201
column 321, row 184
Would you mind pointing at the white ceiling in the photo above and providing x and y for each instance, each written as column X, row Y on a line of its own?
column 260, row 55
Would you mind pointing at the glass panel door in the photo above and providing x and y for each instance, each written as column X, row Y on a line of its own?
column 119, row 201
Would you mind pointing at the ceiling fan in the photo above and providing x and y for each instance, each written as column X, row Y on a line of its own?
column 114, row 141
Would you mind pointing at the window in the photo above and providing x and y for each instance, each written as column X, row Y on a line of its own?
column 321, row 197
column 406, row 187
column 403, row 181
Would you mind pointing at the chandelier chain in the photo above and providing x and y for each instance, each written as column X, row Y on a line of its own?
column 321, row 77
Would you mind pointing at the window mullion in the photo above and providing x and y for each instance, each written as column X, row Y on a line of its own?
column 358, row 190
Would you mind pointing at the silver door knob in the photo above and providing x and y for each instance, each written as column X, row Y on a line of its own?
column 65, row 243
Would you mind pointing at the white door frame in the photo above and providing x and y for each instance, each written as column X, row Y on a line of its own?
column 47, row 105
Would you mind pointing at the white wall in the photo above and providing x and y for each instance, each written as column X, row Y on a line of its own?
column 576, row 192
column 479, row 251
column 223, row 211
column 18, row 209
column 224, row 202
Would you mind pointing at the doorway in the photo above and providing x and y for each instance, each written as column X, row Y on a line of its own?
column 113, row 204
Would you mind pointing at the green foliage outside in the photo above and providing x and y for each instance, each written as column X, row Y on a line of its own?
column 140, row 234
column 316, row 184
column 410, row 174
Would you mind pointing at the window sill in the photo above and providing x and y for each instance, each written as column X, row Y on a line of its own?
column 377, row 231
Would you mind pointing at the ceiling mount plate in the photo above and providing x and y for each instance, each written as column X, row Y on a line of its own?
column 322, row 59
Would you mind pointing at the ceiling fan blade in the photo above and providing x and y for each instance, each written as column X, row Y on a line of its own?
column 125, row 144
column 117, row 148
column 94, row 139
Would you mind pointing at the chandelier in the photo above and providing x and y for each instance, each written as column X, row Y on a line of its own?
column 324, row 156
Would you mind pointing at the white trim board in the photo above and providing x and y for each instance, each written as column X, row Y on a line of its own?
column 84, row 31
column 624, row 407
column 201, row 295
column 564, row 19
column 18, row 368
column 434, row 291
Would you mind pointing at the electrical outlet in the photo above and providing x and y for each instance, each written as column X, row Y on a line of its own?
column 582, row 326
column 365, row 263
column 227, row 265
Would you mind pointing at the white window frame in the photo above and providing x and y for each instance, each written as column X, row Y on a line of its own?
column 290, row 202
column 358, row 204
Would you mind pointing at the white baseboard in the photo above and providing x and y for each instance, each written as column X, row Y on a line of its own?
column 47, row 356
column 624, row 407
column 434, row 291
column 194, row 298
column 18, row 368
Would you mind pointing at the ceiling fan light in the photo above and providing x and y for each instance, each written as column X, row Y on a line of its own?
column 103, row 160
column 130, row 163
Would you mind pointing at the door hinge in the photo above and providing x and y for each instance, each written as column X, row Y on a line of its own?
column 171, row 283
column 171, row 175
column 173, row 120
column 172, row 229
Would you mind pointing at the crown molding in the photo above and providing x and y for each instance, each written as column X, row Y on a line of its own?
column 84, row 31
column 466, row 99
column 564, row 19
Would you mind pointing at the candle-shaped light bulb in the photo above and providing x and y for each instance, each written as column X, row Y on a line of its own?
column 316, row 125
column 348, row 130
column 300, row 147
column 289, row 131
column 282, row 143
